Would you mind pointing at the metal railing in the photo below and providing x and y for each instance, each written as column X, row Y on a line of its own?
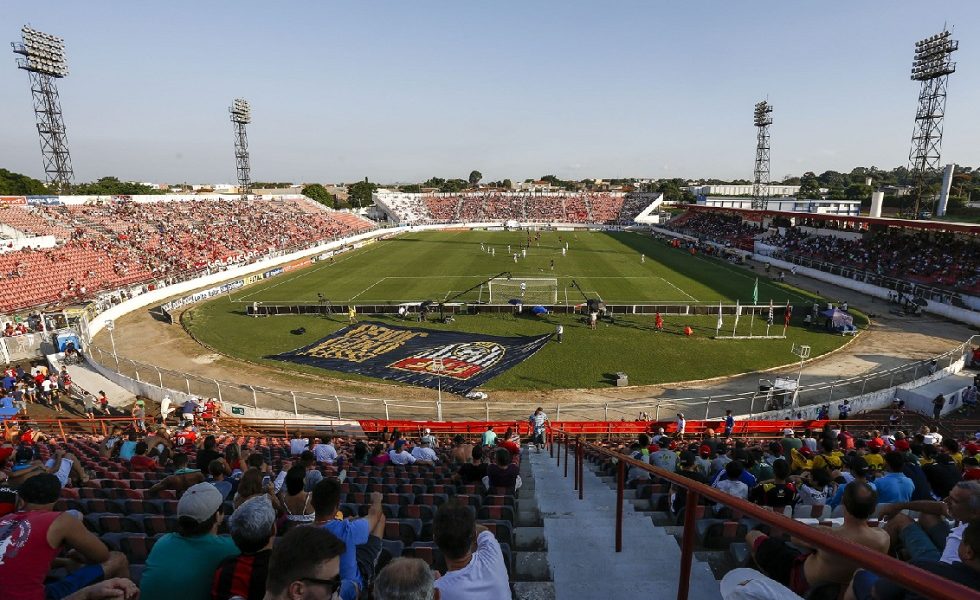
column 658, row 408
column 919, row 580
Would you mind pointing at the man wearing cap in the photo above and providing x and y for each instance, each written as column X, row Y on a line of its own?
column 399, row 456
column 431, row 439
column 182, row 564
column 424, row 454
column 253, row 529
column 139, row 416
column 32, row 538
column 665, row 458
column 790, row 442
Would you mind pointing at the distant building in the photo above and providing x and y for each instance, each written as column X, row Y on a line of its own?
column 738, row 189
column 832, row 207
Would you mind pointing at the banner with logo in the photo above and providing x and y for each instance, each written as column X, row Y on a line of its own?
column 416, row 356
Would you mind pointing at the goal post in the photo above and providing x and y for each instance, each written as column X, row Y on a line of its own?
column 532, row 290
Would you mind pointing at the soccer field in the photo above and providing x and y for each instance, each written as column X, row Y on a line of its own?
column 432, row 265
column 437, row 265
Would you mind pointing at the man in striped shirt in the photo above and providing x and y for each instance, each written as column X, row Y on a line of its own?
column 253, row 529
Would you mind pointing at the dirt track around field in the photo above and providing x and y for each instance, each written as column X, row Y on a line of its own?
column 890, row 341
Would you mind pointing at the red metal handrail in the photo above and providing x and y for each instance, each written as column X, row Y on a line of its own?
column 924, row 582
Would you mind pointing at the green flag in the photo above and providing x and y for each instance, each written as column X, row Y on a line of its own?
column 755, row 292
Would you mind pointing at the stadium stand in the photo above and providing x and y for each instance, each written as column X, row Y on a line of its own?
column 933, row 258
column 598, row 208
column 128, row 494
column 111, row 245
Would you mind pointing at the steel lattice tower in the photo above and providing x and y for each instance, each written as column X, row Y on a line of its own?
column 241, row 115
column 44, row 60
column 932, row 66
column 762, row 119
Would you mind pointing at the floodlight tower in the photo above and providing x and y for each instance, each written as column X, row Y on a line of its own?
column 931, row 67
column 762, row 119
column 241, row 115
column 43, row 57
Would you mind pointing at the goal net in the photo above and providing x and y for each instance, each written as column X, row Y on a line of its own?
column 532, row 290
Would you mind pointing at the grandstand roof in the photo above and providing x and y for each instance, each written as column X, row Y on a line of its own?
column 966, row 228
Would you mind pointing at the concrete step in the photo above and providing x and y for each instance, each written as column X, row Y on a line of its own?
column 528, row 515
column 531, row 566
column 529, row 539
column 533, row 590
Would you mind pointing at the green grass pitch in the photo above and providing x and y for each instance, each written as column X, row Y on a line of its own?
column 435, row 265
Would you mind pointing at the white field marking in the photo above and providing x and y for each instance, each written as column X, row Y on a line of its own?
column 678, row 289
column 741, row 273
column 351, row 299
column 312, row 270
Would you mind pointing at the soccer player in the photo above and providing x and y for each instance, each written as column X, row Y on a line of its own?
column 643, row 258
column 352, row 314
column 523, row 288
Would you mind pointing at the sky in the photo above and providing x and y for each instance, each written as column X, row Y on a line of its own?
column 402, row 91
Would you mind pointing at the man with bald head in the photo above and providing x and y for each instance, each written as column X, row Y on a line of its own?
column 404, row 579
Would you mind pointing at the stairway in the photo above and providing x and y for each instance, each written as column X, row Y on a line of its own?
column 580, row 537
column 530, row 573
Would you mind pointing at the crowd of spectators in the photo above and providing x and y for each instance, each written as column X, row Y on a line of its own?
column 727, row 230
column 242, row 528
column 109, row 245
column 849, row 480
column 933, row 258
column 493, row 205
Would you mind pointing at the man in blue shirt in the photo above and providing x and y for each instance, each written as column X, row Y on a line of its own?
column 361, row 537
column 729, row 423
column 894, row 486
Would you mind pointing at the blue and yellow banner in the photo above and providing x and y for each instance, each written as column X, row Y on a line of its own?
column 421, row 357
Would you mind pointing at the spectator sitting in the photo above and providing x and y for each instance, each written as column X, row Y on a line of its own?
column 128, row 447
column 207, row 454
column 803, row 570
column 930, row 537
column 361, row 537
column 474, row 561
column 424, row 454
column 305, row 565
column 295, row 499
column 868, row 586
column 942, row 474
column 462, row 451
column 253, row 529
column 781, row 492
column 731, row 484
column 640, row 452
column 502, row 473
column 182, row 479
column 817, row 488
column 399, row 456
column 140, row 462
column 665, row 458
column 404, row 579
column 216, row 477
column 858, row 468
column 298, row 444
column 325, row 453
column 894, row 486
column 379, row 457
column 186, row 560
column 255, row 482
column 32, row 538
column 474, row 471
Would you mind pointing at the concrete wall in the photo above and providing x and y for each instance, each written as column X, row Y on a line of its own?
column 859, row 404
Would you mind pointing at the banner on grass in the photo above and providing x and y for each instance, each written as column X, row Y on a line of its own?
column 412, row 355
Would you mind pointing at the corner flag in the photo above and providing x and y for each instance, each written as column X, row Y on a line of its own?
column 755, row 292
